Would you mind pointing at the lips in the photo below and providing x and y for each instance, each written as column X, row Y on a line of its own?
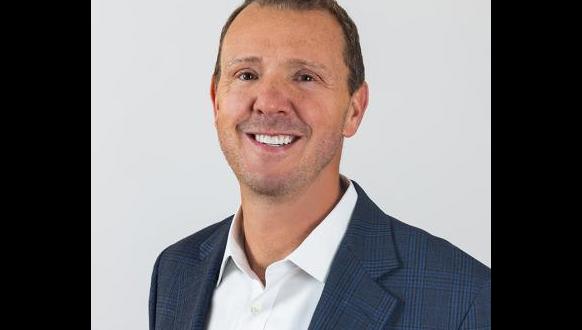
column 272, row 149
column 274, row 140
column 273, row 133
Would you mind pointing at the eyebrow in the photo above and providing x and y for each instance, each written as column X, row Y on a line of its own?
column 247, row 59
column 302, row 62
column 292, row 62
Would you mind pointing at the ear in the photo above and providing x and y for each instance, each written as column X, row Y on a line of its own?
column 358, row 105
column 213, row 98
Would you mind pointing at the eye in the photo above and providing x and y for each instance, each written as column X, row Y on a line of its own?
column 305, row 77
column 246, row 76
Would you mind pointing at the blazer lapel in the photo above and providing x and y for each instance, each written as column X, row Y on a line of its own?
column 351, row 297
column 198, row 282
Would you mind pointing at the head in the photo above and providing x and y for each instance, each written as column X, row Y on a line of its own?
column 287, row 72
column 352, row 52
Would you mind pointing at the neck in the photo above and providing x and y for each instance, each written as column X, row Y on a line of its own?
column 272, row 230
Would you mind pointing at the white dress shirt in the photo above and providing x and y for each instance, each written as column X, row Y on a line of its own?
column 293, row 285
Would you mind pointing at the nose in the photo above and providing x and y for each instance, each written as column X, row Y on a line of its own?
column 272, row 98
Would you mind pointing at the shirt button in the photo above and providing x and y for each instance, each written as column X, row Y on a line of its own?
column 256, row 308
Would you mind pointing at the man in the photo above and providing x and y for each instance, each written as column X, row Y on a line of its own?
column 307, row 248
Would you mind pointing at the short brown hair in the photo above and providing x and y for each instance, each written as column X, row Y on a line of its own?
column 352, row 51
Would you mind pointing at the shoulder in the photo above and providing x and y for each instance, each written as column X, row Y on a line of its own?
column 439, row 282
column 186, row 251
column 424, row 259
column 437, row 276
column 423, row 252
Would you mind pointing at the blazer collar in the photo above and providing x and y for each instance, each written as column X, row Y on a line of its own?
column 351, row 298
column 198, row 281
column 369, row 236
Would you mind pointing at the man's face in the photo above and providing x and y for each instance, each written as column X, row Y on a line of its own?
column 283, row 74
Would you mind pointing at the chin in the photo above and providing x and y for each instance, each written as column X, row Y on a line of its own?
column 272, row 185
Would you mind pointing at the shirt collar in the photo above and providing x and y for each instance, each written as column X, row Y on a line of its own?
column 315, row 254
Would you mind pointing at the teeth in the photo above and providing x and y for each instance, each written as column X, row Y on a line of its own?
column 274, row 139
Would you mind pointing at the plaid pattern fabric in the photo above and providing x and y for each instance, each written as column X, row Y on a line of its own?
column 385, row 275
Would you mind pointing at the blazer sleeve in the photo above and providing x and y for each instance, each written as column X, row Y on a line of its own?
column 154, row 294
column 479, row 314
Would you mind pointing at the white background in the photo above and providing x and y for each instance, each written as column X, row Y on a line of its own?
column 422, row 153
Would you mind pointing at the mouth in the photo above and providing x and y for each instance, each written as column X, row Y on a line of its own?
column 274, row 143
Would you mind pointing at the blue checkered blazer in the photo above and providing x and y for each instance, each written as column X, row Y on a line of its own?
column 385, row 275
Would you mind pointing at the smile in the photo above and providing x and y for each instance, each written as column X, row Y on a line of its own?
column 273, row 142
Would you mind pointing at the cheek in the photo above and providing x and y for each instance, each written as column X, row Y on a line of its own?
column 326, row 117
column 233, row 106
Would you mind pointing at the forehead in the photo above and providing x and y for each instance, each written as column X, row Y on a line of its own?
column 269, row 32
